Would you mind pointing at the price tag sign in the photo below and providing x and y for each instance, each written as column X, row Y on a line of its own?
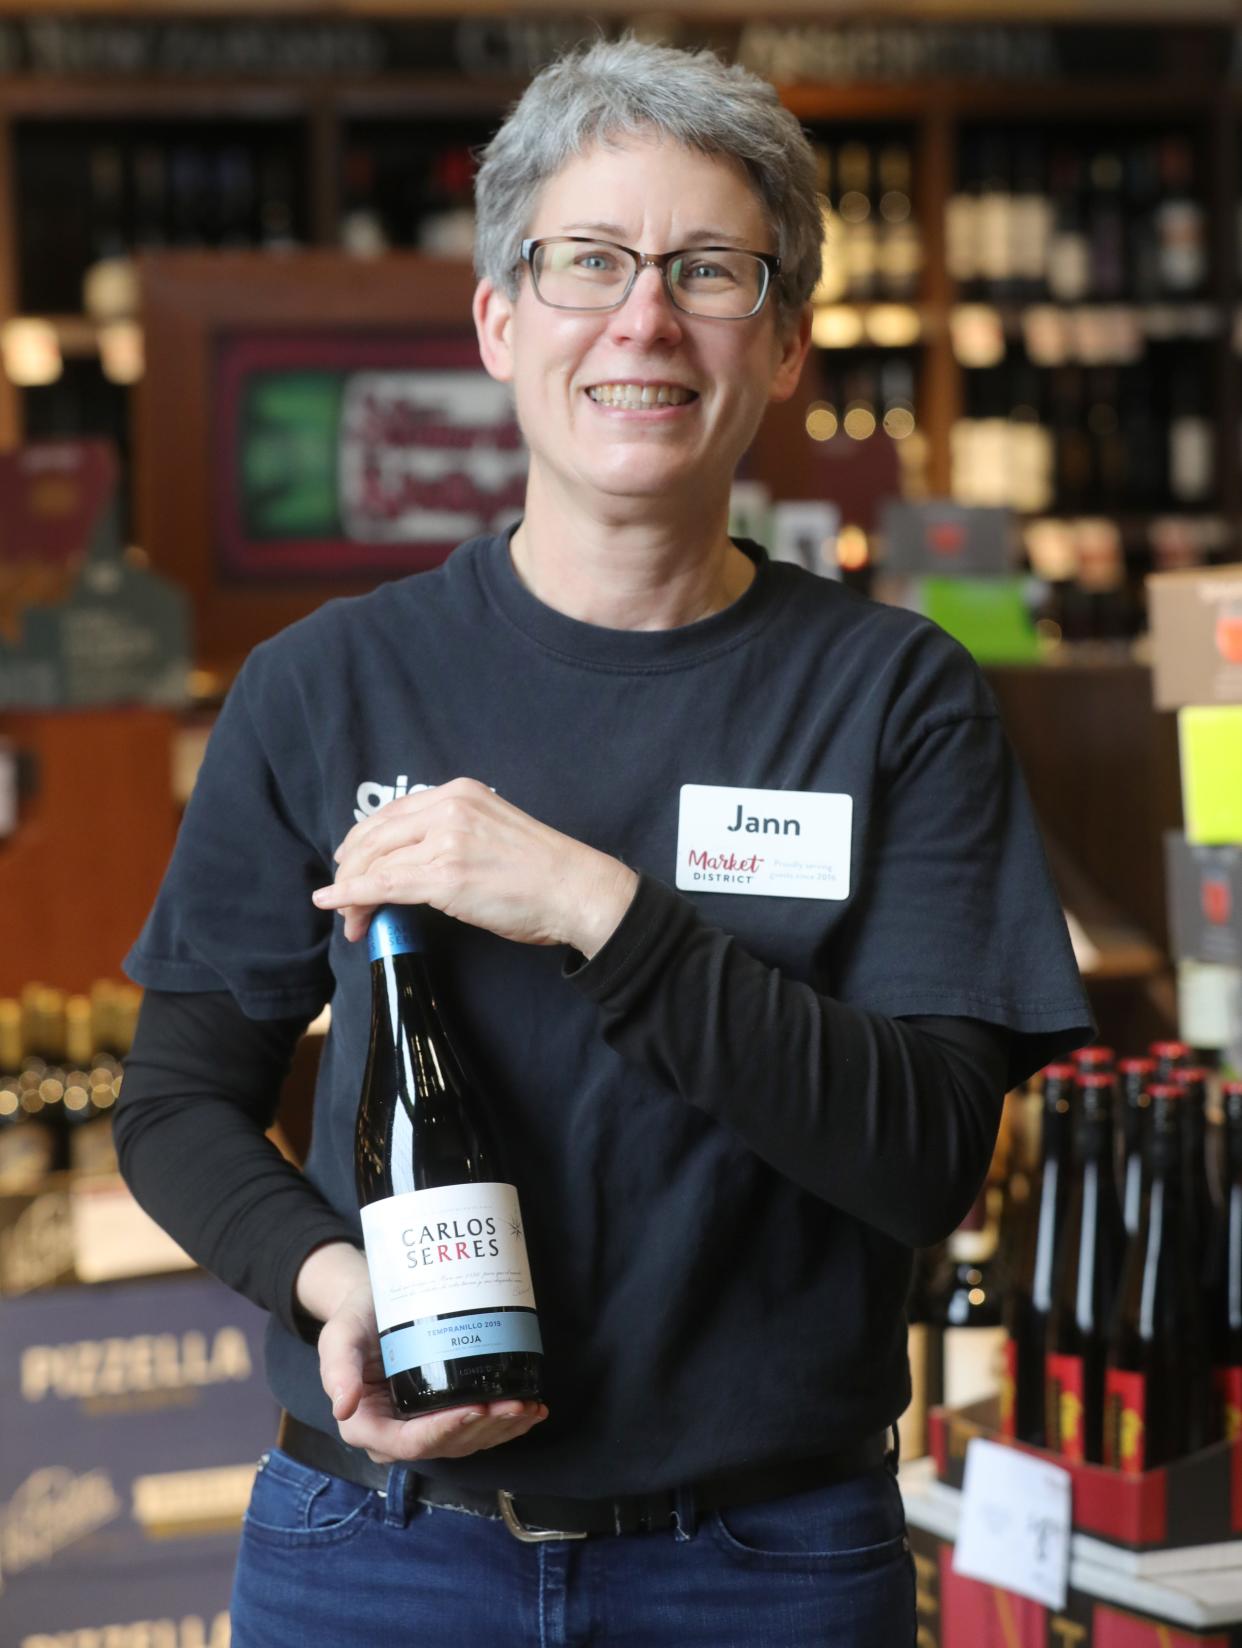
column 1015, row 1526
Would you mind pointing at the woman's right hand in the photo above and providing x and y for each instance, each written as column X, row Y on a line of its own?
column 352, row 1372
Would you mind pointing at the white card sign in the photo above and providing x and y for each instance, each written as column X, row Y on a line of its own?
column 1015, row 1526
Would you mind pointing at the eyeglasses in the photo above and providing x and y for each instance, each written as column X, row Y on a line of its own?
column 720, row 282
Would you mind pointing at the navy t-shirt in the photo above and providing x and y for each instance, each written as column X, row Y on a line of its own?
column 711, row 1221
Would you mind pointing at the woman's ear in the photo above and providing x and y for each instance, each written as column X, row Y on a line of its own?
column 791, row 351
column 493, row 321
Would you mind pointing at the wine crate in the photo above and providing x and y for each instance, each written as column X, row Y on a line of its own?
column 1194, row 1501
column 955, row 1611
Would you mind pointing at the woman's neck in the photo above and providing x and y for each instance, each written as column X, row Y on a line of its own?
column 630, row 573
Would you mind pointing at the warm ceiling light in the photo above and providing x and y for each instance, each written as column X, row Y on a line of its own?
column 893, row 325
column 31, row 352
column 836, row 326
column 121, row 351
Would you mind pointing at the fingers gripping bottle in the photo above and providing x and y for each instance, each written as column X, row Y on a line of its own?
column 445, row 1248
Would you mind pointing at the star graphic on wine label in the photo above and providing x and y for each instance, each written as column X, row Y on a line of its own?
column 515, row 1229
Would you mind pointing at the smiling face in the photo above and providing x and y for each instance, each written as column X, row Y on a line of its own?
column 643, row 402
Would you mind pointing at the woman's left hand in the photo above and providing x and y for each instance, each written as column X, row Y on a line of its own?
column 462, row 849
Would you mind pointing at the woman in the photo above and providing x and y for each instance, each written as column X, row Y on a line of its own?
column 743, row 918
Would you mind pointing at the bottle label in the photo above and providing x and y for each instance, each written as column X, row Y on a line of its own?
column 484, row 1334
column 1228, row 1382
column 1009, row 1389
column 972, row 1364
column 455, row 1249
column 1125, row 1421
column 1065, row 1404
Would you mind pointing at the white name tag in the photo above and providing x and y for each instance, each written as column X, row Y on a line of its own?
column 777, row 843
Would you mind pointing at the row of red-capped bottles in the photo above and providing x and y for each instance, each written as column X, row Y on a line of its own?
column 1123, row 1306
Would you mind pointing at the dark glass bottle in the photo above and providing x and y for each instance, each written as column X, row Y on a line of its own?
column 1198, row 1189
column 445, row 1247
column 1156, row 1384
column 1170, row 1056
column 25, row 1147
column 1088, row 1276
column 1028, row 1297
column 1136, row 1079
column 1088, row 1060
column 966, row 1305
column 1225, row 1323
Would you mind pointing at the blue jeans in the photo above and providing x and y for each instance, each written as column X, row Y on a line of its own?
column 328, row 1564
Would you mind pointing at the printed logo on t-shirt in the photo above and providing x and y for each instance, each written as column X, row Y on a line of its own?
column 778, row 843
column 372, row 796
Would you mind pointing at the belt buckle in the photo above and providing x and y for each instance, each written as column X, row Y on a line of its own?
column 519, row 1530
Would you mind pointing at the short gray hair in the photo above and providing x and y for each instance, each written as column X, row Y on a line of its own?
column 612, row 90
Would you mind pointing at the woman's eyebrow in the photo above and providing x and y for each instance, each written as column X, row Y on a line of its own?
column 694, row 237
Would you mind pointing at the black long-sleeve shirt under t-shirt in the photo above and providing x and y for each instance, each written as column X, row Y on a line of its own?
column 730, row 1125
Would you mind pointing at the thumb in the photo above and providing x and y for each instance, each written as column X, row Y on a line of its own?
column 342, row 1362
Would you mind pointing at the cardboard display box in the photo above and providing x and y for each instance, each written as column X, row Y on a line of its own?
column 1108, row 1604
column 1195, row 1501
column 1196, row 631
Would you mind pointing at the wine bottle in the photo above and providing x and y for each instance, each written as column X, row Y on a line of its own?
column 454, row 1301
column 1225, row 1326
column 1170, row 1056
column 1136, row 1078
column 1197, row 1194
column 1028, row 1296
column 966, row 1306
column 1087, row 1280
column 1156, row 1382
column 25, row 1147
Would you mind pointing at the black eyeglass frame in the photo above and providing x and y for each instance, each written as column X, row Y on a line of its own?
column 642, row 260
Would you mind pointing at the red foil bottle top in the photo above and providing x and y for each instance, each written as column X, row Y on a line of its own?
column 1089, row 1057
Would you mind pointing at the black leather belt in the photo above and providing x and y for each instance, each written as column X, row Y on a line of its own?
column 537, row 1517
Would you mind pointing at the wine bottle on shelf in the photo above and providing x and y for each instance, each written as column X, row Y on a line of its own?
column 1071, row 440
column 1192, row 440
column 1181, row 226
column 856, row 211
column 1169, row 1056
column 925, row 1350
column 445, row 1248
column 25, row 1146
column 1096, row 1060
column 1142, row 167
column 996, row 220
column 42, row 1075
column 277, row 227
column 1085, row 1291
column 1031, row 219
column 1107, row 227
column 149, row 176
column 1136, row 1078
column 1028, row 1294
column 961, row 221
column 1225, row 1321
column 235, row 197
column 107, row 203
column 1200, row 1203
column 967, row 1307
column 1156, row 1383
column 900, row 254
column 88, row 1125
column 1069, row 249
